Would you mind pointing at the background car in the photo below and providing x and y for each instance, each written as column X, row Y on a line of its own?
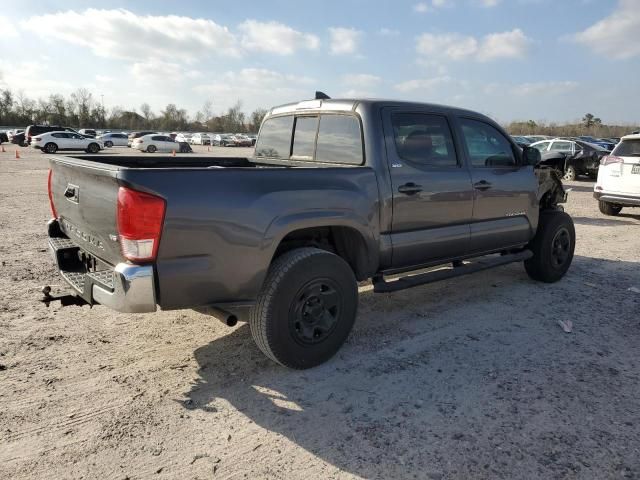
column 184, row 137
column 159, row 143
column 88, row 132
column 3, row 137
column 618, row 183
column 51, row 142
column 537, row 138
column 17, row 137
column 521, row 141
column 227, row 140
column 243, row 140
column 134, row 135
column 33, row 130
column 200, row 139
column 114, row 139
column 576, row 157
column 607, row 145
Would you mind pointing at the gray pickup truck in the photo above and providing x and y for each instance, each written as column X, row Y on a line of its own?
column 337, row 192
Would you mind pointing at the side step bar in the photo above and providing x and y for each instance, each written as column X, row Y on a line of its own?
column 380, row 285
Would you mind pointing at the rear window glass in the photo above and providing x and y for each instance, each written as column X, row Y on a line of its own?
column 627, row 148
column 304, row 137
column 275, row 137
column 339, row 140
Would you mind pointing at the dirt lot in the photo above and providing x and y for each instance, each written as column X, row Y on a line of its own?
column 470, row 378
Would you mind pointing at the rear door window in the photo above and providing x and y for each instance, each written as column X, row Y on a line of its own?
column 627, row 148
column 275, row 138
column 339, row 140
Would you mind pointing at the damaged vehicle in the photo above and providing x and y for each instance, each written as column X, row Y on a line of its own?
column 571, row 157
column 336, row 192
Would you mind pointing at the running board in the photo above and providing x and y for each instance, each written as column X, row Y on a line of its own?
column 380, row 285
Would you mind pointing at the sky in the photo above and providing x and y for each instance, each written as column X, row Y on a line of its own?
column 546, row 60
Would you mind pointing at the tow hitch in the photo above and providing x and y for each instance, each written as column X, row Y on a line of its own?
column 65, row 300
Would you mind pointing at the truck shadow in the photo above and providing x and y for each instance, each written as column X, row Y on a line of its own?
column 432, row 381
column 604, row 222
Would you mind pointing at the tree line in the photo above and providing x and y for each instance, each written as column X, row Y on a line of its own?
column 589, row 125
column 81, row 110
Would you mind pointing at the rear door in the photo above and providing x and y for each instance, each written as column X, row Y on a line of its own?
column 432, row 195
column 505, row 193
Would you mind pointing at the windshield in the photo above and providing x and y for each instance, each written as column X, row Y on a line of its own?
column 627, row 148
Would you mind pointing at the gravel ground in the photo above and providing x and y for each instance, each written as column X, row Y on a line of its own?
column 469, row 378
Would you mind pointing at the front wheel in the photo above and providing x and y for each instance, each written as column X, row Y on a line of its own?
column 610, row 209
column 552, row 247
column 151, row 149
column 306, row 308
column 93, row 148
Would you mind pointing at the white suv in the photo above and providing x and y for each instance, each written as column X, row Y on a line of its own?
column 618, row 183
column 51, row 142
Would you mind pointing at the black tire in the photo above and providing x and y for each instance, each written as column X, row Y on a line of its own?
column 570, row 173
column 610, row 209
column 552, row 247
column 108, row 144
column 310, row 284
column 50, row 148
column 93, row 148
column 151, row 149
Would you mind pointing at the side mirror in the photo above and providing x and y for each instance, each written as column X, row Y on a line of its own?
column 531, row 156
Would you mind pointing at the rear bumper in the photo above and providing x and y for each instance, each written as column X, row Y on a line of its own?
column 124, row 288
column 624, row 200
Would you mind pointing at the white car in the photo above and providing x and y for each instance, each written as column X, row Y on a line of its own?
column 51, row 142
column 618, row 183
column 155, row 143
column 200, row 139
column 184, row 137
column 114, row 139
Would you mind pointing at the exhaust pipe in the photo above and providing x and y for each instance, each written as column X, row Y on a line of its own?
column 228, row 318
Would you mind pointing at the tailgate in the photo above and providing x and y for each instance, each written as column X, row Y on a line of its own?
column 630, row 176
column 85, row 196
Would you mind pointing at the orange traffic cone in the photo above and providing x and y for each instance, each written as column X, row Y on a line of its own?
column 3, row 150
column 17, row 153
column 173, row 153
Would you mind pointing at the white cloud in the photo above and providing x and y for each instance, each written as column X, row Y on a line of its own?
column 424, row 7
column 388, row 32
column 423, row 84
column 543, row 88
column 159, row 72
column 511, row 44
column 275, row 37
column 421, row 7
column 344, row 41
column 123, row 34
column 617, row 35
column 489, row 3
column 250, row 85
column 453, row 46
column 7, row 29
column 35, row 79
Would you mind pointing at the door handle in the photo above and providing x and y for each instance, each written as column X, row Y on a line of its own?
column 482, row 185
column 410, row 188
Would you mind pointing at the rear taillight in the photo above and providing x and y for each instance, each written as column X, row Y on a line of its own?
column 611, row 159
column 140, row 218
column 53, row 207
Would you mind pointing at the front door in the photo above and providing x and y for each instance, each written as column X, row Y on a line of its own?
column 432, row 194
column 505, row 192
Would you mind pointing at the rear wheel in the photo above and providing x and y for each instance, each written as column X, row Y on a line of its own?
column 108, row 144
column 50, row 148
column 610, row 209
column 570, row 173
column 93, row 148
column 306, row 308
column 151, row 149
column 552, row 247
